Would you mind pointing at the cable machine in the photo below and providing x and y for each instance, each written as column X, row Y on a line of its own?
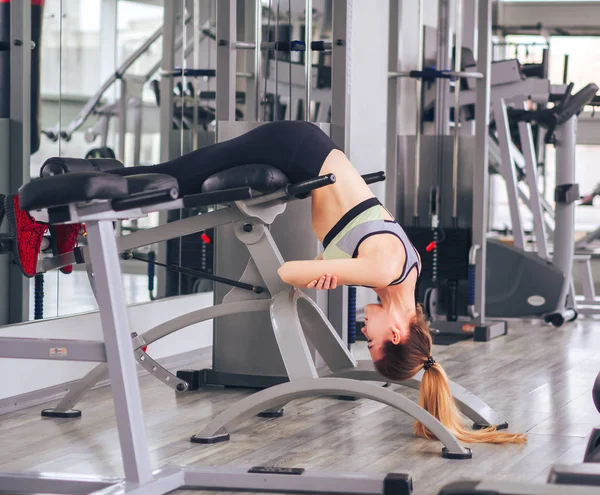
column 444, row 208
column 252, row 359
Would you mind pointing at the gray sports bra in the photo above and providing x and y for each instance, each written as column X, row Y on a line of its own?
column 361, row 222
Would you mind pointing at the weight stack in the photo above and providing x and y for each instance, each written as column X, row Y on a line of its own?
column 194, row 251
column 453, row 264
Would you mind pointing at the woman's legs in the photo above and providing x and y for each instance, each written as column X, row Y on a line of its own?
column 297, row 148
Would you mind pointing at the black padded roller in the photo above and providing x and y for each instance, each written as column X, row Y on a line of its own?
column 62, row 189
column 260, row 177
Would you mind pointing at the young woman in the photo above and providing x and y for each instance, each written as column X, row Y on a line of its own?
column 363, row 245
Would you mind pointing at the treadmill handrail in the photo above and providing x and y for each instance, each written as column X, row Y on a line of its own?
column 570, row 105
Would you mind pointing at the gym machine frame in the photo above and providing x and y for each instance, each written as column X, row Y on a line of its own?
column 250, row 218
column 470, row 405
column 117, row 353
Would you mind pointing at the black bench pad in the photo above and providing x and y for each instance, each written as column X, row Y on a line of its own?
column 63, row 189
column 260, row 177
column 63, row 165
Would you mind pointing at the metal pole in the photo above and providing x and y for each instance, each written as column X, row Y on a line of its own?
column 419, row 125
column 225, row 80
column 119, row 352
column 308, row 59
column 196, row 58
column 442, row 113
column 20, row 135
column 337, row 300
column 20, row 86
column 391, row 192
column 480, row 171
column 276, row 103
column 564, row 242
column 166, row 83
column 108, row 38
column 171, row 10
column 137, row 133
column 123, row 107
column 531, row 177
column 566, row 69
column 267, row 45
column 257, row 57
column 342, row 11
column 508, row 169
column 457, row 67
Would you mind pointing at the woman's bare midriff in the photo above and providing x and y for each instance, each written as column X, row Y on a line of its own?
column 330, row 203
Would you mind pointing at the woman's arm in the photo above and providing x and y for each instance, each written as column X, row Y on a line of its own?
column 354, row 271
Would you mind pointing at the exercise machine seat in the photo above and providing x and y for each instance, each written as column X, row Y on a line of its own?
column 59, row 190
column 64, row 165
column 259, row 177
column 63, row 189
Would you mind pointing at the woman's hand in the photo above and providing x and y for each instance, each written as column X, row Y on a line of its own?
column 326, row 282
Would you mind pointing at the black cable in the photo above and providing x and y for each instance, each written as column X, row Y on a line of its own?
column 38, row 297
column 197, row 273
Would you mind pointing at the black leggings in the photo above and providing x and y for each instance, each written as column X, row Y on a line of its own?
column 297, row 148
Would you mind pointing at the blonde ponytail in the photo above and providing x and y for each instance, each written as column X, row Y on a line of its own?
column 435, row 397
column 405, row 360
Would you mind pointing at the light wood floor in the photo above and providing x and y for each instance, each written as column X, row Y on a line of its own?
column 539, row 377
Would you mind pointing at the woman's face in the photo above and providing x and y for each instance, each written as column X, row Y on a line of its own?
column 378, row 329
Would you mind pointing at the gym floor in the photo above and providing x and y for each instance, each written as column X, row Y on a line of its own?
column 540, row 378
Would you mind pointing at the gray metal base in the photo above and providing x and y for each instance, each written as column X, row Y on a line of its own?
column 300, row 331
column 469, row 404
column 277, row 396
column 281, row 480
column 255, row 479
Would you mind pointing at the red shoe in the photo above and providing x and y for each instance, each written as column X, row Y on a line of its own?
column 26, row 234
column 64, row 240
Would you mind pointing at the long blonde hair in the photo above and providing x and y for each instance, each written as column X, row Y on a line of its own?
column 404, row 360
